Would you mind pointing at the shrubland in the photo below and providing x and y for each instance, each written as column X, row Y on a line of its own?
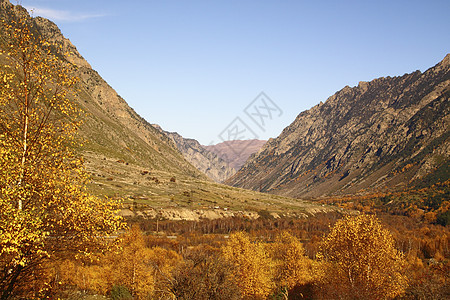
column 328, row 256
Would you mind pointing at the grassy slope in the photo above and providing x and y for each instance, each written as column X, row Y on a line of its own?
column 137, row 184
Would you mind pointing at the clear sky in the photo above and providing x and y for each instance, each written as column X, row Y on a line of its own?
column 194, row 66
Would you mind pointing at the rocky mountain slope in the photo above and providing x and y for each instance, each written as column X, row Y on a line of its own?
column 236, row 153
column 207, row 162
column 389, row 133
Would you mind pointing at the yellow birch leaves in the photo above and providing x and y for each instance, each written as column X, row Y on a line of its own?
column 45, row 209
column 361, row 261
column 254, row 269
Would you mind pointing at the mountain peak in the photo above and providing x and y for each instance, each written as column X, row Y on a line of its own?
column 204, row 160
column 236, row 152
column 446, row 60
column 52, row 33
column 112, row 131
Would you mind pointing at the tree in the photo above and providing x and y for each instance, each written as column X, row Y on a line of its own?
column 361, row 261
column 253, row 270
column 137, row 267
column 45, row 208
column 132, row 266
column 203, row 275
column 292, row 267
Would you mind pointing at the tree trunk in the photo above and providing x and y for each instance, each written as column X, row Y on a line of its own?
column 25, row 133
column 24, row 153
column 6, row 294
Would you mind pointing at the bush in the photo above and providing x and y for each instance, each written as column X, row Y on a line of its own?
column 443, row 218
column 119, row 292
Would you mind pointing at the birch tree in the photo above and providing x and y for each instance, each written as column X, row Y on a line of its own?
column 253, row 268
column 45, row 208
column 361, row 261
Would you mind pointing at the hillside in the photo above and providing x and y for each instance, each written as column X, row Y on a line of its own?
column 389, row 133
column 207, row 162
column 111, row 128
column 236, row 153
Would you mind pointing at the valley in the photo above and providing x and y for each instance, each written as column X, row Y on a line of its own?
column 150, row 189
column 350, row 201
column 130, row 159
column 236, row 152
column 215, row 167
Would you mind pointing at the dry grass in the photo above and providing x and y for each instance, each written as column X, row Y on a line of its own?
column 158, row 189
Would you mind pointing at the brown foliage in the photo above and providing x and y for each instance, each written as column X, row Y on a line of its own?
column 204, row 274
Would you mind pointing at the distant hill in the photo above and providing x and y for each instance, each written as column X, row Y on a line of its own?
column 390, row 133
column 235, row 153
column 206, row 161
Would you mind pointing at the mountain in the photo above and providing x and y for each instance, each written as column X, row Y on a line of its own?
column 112, row 130
column 236, row 152
column 206, row 161
column 389, row 133
column 129, row 158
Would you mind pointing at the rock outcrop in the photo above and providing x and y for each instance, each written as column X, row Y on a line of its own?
column 387, row 133
column 128, row 158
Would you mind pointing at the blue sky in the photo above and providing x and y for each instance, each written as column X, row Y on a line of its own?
column 194, row 66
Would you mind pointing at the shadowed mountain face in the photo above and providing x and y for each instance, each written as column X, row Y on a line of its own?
column 208, row 162
column 387, row 133
column 236, row 153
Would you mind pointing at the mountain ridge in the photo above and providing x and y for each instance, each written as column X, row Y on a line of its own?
column 360, row 139
column 110, row 127
column 129, row 159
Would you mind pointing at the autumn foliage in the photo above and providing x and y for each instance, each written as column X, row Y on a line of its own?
column 45, row 210
column 360, row 260
column 254, row 268
column 357, row 259
column 292, row 267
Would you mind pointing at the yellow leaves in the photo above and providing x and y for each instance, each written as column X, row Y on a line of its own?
column 37, row 167
column 87, row 277
column 254, row 270
column 292, row 266
column 133, row 265
column 19, row 230
column 361, row 257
